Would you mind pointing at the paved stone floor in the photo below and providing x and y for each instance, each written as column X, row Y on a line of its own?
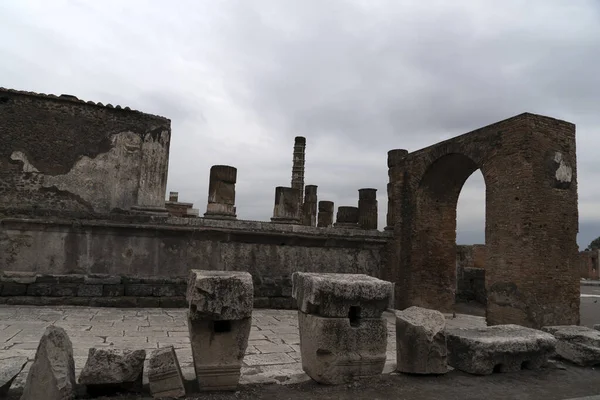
column 273, row 353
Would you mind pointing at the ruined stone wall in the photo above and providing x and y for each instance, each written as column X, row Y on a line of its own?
column 470, row 273
column 61, row 153
column 589, row 264
column 130, row 260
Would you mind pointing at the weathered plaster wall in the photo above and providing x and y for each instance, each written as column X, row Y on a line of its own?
column 61, row 153
column 168, row 248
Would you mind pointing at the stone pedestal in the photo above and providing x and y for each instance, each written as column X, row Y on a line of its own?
column 367, row 208
column 309, row 207
column 221, row 192
column 347, row 217
column 219, row 321
column 342, row 332
column 287, row 206
column 325, row 219
column 395, row 157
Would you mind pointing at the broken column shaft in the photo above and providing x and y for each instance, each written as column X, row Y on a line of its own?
column 325, row 214
column 367, row 208
column 309, row 207
column 221, row 192
column 395, row 158
column 298, row 166
column 287, row 207
column 347, row 217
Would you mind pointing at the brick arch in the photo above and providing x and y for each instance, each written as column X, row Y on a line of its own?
column 529, row 168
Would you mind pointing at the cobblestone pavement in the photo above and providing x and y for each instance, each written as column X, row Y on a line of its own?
column 273, row 353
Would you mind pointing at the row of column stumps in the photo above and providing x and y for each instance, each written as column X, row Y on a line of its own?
column 395, row 159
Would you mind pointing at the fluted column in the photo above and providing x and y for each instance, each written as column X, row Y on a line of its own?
column 286, row 209
column 347, row 217
column 367, row 208
column 325, row 214
column 309, row 207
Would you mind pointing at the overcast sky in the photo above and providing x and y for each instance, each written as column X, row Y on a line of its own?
column 239, row 79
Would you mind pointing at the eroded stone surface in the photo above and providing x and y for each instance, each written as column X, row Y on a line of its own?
column 111, row 370
column 220, row 295
column 578, row 344
column 421, row 341
column 499, row 348
column 333, row 295
column 9, row 369
column 164, row 374
column 335, row 351
column 218, row 349
column 52, row 375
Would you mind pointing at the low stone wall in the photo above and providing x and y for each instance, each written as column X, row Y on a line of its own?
column 129, row 261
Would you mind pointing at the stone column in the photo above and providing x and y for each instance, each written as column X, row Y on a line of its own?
column 298, row 166
column 287, row 208
column 173, row 197
column 342, row 332
column 347, row 217
column 325, row 214
column 221, row 192
column 309, row 207
column 395, row 157
column 219, row 321
column 367, row 208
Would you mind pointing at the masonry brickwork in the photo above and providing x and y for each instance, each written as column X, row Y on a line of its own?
column 529, row 166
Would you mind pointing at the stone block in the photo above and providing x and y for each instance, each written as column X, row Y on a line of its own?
column 141, row 289
column 336, row 350
column 499, row 348
column 40, row 289
column 150, row 302
column 89, row 290
column 421, row 341
column 164, row 374
column 167, row 290
column 218, row 348
column 18, row 277
column 578, row 344
column 113, row 290
column 109, row 371
column 220, row 295
column 172, row 302
column 338, row 295
column 14, row 289
column 9, row 369
column 65, row 290
column 52, row 374
column 70, row 278
column 102, row 279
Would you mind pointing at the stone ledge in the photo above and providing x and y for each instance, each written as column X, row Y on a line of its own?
column 120, row 302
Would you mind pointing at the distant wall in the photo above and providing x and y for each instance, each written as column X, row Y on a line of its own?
column 589, row 265
column 470, row 273
column 61, row 153
column 161, row 251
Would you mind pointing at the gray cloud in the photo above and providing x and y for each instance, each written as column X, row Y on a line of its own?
column 240, row 79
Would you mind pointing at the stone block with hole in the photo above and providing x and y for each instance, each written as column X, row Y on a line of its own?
column 219, row 321
column 342, row 332
column 499, row 348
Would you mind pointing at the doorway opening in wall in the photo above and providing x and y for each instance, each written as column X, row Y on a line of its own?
column 470, row 247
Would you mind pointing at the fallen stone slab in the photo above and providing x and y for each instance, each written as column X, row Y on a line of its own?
column 335, row 351
column 109, row 371
column 338, row 295
column 499, row 348
column 9, row 369
column 164, row 374
column 421, row 341
column 209, row 294
column 577, row 344
column 52, row 374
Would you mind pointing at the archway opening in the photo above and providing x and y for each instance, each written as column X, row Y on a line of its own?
column 470, row 247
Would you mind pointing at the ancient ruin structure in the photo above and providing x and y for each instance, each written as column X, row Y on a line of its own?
column 325, row 217
column 529, row 166
column 221, row 192
column 83, row 217
column 367, row 208
column 309, row 207
column 179, row 209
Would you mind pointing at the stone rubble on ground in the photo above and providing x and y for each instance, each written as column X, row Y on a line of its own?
column 109, row 370
column 421, row 341
column 219, row 323
column 577, row 344
column 164, row 374
column 342, row 332
column 499, row 348
column 52, row 374
column 9, row 369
